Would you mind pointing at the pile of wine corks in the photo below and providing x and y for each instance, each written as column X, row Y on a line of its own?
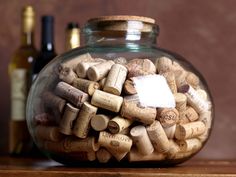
column 94, row 113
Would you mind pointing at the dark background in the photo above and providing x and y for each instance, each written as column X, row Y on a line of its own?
column 204, row 31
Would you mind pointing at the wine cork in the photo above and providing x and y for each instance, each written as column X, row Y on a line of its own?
column 73, row 62
column 71, row 94
column 39, row 105
column 170, row 78
column 170, row 131
column 53, row 101
column 120, row 60
column 107, row 101
column 48, row 133
column 206, row 118
column 99, row 60
column 117, row 124
column 102, row 82
column 115, row 79
column 129, row 87
column 193, row 99
column 163, row 64
column 180, row 101
column 103, row 155
column 125, row 131
column 192, row 79
column 55, row 147
column 191, row 114
column 74, row 144
column 99, row 122
column 82, row 123
column 177, row 66
column 202, row 93
column 181, row 105
column 173, row 150
column 189, row 145
column 158, row 137
column 82, row 68
column 202, row 138
column 81, row 156
column 66, row 122
column 132, row 98
column 182, row 155
column 168, row 116
column 182, row 118
column 180, row 78
column 66, row 74
column 119, row 155
column 189, row 130
column 135, row 156
column 132, row 111
column 99, row 71
column 141, row 140
column 140, row 67
column 43, row 119
column 91, row 156
column 117, row 142
column 86, row 86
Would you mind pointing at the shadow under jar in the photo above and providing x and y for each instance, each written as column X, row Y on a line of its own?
column 120, row 100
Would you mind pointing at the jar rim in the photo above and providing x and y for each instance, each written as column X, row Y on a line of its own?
column 122, row 18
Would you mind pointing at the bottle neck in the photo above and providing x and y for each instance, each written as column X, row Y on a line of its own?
column 27, row 38
column 47, row 39
column 27, row 27
column 73, row 38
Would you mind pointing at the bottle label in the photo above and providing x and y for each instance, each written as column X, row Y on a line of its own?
column 18, row 94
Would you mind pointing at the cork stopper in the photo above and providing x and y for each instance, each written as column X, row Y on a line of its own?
column 123, row 18
column 122, row 23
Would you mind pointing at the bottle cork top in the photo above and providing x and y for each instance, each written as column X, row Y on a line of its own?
column 28, row 21
column 28, row 11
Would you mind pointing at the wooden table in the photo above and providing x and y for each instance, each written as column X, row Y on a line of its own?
column 24, row 167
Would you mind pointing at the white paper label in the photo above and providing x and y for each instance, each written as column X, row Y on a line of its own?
column 18, row 94
column 153, row 91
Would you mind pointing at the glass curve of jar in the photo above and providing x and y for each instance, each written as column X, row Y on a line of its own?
column 120, row 99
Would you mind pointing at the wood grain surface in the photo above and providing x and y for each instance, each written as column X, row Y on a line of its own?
column 12, row 167
column 202, row 31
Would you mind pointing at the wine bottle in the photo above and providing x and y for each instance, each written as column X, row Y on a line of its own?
column 72, row 36
column 47, row 52
column 20, row 75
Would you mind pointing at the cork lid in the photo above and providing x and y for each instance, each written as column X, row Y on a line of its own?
column 123, row 18
column 121, row 23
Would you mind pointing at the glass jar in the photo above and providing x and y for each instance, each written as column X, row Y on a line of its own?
column 120, row 99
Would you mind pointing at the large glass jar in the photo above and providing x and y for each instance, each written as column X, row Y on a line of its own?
column 120, row 99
